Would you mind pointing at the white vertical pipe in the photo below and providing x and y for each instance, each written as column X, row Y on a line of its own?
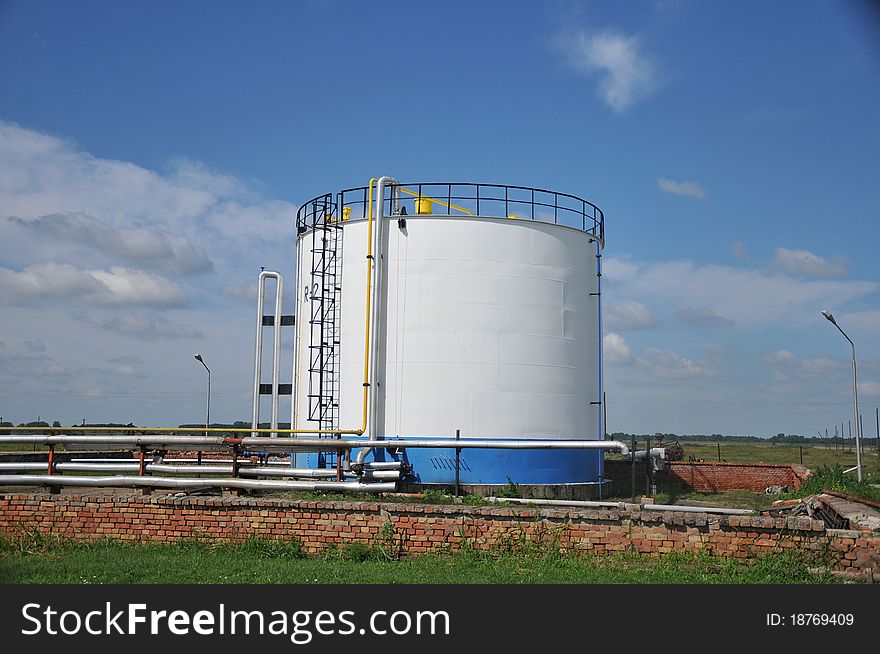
column 276, row 355
column 296, row 338
column 258, row 353
column 375, row 319
column 258, row 350
column 601, row 391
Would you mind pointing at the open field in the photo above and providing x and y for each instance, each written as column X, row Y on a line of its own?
column 814, row 456
column 46, row 561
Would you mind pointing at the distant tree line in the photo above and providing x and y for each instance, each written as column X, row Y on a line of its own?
column 57, row 427
column 780, row 438
column 238, row 424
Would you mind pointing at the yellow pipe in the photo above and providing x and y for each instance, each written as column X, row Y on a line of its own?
column 440, row 202
column 189, row 429
column 368, row 302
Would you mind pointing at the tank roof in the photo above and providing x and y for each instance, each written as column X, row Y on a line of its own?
column 460, row 199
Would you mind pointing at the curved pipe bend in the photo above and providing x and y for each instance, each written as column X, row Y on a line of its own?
column 499, row 444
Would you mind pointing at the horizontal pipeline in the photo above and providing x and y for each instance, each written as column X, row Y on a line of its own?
column 315, row 444
column 209, row 460
column 152, row 441
column 119, row 466
column 244, row 471
column 438, row 443
column 624, row 505
column 656, row 452
column 695, row 509
column 372, row 465
column 174, row 482
column 191, row 430
column 382, row 465
column 489, row 444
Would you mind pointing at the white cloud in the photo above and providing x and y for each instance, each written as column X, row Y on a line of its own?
column 117, row 286
column 47, row 371
column 669, row 365
column 702, row 317
column 41, row 175
column 748, row 296
column 151, row 248
column 618, row 272
column 818, row 366
column 195, row 174
column 681, row 188
column 158, row 218
column 822, row 365
column 625, row 73
column 802, row 263
column 123, row 359
column 621, row 315
column 127, row 286
column 781, row 357
column 50, row 280
column 615, row 350
column 869, row 389
column 867, row 321
column 147, row 326
column 244, row 293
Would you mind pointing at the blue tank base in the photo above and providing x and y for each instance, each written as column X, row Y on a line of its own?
column 505, row 467
column 550, row 474
column 574, row 474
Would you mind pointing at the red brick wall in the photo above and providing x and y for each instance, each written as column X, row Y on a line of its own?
column 710, row 477
column 419, row 528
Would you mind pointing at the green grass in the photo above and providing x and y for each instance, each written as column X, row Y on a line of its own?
column 732, row 499
column 813, row 456
column 826, row 478
column 40, row 559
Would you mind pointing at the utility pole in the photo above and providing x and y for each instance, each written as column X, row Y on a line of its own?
column 861, row 428
column 855, row 387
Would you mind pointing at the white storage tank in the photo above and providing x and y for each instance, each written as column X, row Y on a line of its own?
column 484, row 318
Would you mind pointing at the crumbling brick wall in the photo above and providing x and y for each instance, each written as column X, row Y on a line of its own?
column 711, row 477
column 420, row 528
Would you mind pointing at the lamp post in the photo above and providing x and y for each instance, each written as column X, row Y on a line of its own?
column 831, row 319
column 198, row 358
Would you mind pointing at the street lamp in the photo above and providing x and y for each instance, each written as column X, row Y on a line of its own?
column 198, row 358
column 831, row 319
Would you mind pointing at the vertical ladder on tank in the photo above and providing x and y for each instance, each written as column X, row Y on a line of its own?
column 325, row 294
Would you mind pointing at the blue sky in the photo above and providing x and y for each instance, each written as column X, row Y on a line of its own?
column 152, row 156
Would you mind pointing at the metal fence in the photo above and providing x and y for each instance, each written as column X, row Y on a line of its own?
column 463, row 200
